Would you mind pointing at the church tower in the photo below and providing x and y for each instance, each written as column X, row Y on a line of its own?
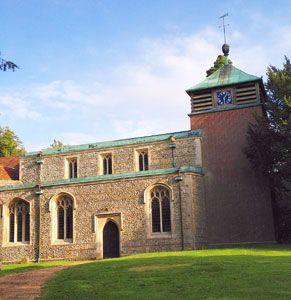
column 237, row 200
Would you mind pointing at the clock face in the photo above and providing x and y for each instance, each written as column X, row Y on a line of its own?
column 224, row 97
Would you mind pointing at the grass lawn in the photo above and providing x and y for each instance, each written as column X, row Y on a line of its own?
column 240, row 273
column 24, row 267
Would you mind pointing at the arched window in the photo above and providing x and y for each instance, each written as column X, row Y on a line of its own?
column 160, row 209
column 64, row 218
column 19, row 222
column 73, row 168
column 143, row 161
column 107, row 164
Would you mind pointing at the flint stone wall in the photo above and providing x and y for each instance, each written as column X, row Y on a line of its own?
column 119, row 196
column 54, row 167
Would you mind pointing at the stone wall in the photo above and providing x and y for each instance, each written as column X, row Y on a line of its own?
column 124, row 160
column 124, row 197
column 29, row 170
column 17, row 251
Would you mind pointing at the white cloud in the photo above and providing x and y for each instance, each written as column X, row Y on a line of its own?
column 73, row 138
column 237, row 35
column 145, row 95
column 284, row 42
column 17, row 107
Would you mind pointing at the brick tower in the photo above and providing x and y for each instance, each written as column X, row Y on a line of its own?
column 237, row 200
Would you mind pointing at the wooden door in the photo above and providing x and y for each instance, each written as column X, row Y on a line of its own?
column 110, row 240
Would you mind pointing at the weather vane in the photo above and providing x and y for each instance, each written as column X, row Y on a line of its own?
column 224, row 25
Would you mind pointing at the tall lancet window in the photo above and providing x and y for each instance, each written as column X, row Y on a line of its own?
column 73, row 168
column 143, row 160
column 160, row 209
column 19, row 222
column 107, row 164
column 64, row 219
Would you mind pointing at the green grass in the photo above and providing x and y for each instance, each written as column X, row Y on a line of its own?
column 24, row 267
column 240, row 273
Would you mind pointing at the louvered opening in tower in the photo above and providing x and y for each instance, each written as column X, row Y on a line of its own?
column 246, row 94
column 201, row 101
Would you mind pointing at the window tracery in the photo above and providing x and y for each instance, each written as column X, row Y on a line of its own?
column 73, row 168
column 19, row 222
column 160, row 210
column 143, row 160
column 64, row 218
column 107, row 164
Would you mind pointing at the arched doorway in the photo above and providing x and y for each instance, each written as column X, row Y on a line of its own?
column 110, row 240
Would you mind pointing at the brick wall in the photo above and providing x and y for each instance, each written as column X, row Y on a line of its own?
column 237, row 199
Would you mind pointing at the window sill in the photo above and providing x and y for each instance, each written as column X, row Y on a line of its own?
column 63, row 242
column 160, row 235
column 16, row 244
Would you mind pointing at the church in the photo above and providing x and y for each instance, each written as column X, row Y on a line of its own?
column 167, row 192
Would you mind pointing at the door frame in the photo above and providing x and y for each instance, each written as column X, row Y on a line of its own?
column 100, row 220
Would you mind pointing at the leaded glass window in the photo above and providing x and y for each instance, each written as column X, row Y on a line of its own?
column 160, row 210
column 156, row 215
column 65, row 218
column 61, row 223
column 107, row 164
column 73, row 168
column 143, row 161
column 19, row 222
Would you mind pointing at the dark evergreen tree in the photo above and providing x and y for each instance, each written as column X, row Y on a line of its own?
column 269, row 138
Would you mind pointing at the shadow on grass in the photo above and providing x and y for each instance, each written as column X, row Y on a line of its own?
column 31, row 266
column 209, row 274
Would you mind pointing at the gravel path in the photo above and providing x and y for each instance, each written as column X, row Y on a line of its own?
column 26, row 285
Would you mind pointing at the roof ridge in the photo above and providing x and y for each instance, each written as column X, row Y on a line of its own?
column 115, row 143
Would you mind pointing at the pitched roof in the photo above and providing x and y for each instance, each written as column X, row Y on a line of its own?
column 226, row 75
column 9, row 168
column 118, row 143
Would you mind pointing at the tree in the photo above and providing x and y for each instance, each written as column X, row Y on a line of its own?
column 10, row 144
column 220, row 61
column 7, row 65
column 269, row 137
column 56, row 144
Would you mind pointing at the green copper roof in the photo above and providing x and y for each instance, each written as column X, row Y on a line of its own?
column 118, row 143
column 183, row 169
column 226, row 75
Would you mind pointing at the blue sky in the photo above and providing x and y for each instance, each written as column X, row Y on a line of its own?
column 96, row 70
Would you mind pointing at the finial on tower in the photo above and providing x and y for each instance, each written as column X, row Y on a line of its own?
column 225, row 49
column 225, row 46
